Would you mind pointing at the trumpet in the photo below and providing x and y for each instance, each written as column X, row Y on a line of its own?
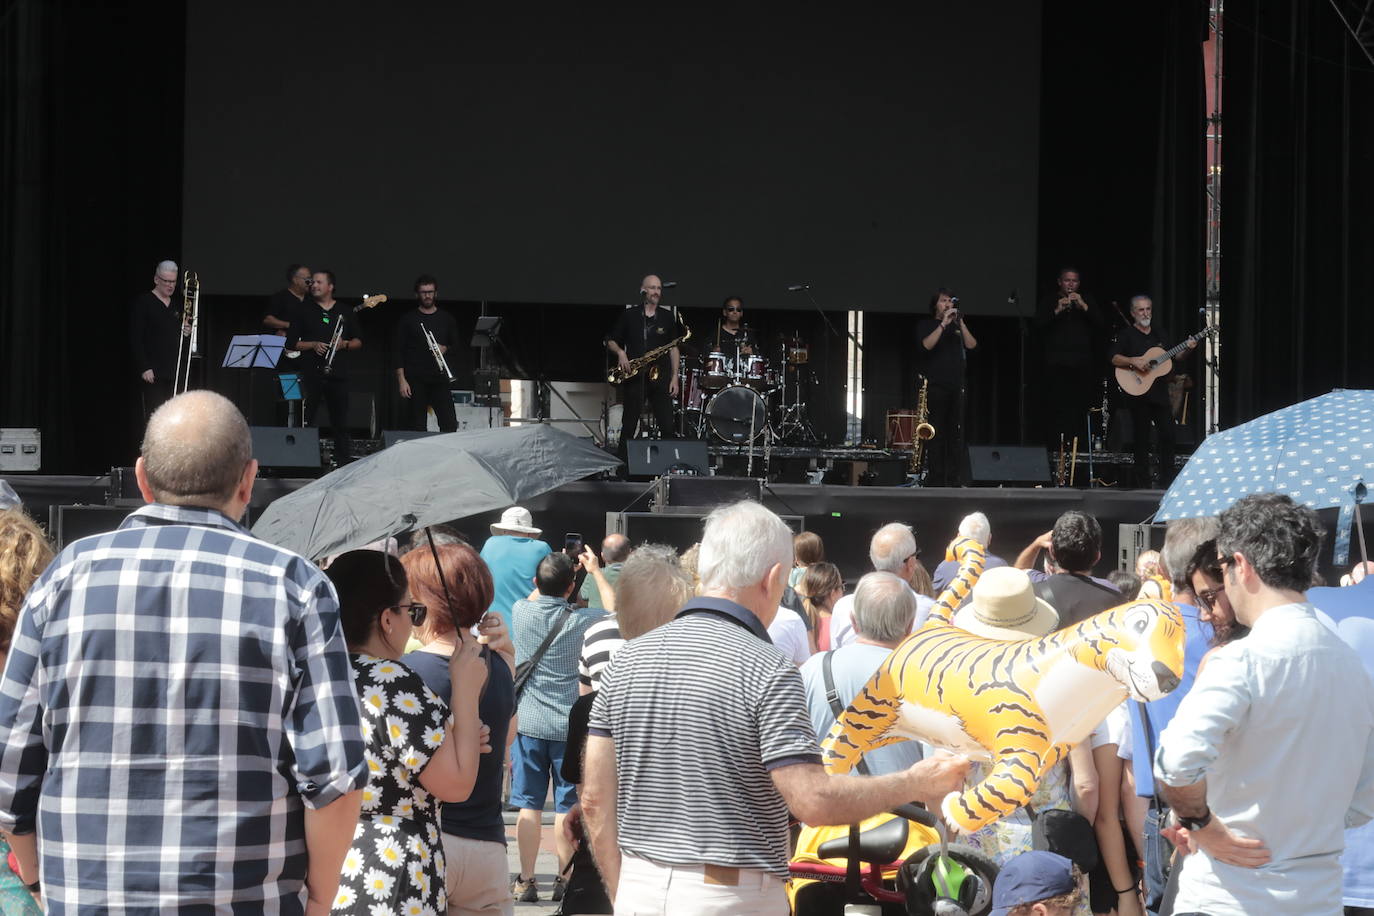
column 190, row 322
column 333, row 348
column 438, row 353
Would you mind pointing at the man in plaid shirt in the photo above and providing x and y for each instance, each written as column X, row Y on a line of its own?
column 177, row 716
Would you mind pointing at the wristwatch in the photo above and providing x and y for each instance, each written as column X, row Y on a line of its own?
column 1196, row 823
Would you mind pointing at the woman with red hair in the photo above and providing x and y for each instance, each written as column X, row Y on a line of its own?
column 474, row 834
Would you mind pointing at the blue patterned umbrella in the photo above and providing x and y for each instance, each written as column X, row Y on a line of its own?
column 1320, row 452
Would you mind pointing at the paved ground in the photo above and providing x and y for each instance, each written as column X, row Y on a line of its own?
column 546, row 866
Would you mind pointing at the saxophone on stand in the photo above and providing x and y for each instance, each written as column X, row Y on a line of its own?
column 922, row 431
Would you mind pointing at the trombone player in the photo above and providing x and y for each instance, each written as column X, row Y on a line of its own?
column 425, row 338
column 638, row 330
column 155, row 331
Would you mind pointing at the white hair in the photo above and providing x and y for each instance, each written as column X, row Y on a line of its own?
column 890, row 547
column 742, row 541
column 166, row 265
column 884, row 607
column 975, row 525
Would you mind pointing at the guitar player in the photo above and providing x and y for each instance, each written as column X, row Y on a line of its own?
column 1152, row 407
column 636, row 331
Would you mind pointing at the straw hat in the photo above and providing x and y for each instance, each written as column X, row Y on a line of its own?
column 1004, row 606
column 518, row 521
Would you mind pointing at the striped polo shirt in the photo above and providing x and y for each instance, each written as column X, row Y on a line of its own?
column 603, row 640
column 700, row 710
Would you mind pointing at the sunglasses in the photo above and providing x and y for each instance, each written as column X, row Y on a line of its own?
column 1229, row 560
column 1208, row 596
column 417, row 612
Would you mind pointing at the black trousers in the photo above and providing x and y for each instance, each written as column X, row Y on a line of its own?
column 154, row 395
column 427, row 393
column 1147, row 411
column 947, row 456
column 331, row 391
column 633, row 395
column 1070, row 391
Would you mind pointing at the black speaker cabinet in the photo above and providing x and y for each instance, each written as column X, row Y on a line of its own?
column 278, row 447
column 68, row 523
column 679, row 530
column 1009, row 464
column 652, row 457
column 391, row 436
column 706, row 492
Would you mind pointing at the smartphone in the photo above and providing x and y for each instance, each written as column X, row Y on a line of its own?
column 572, row 544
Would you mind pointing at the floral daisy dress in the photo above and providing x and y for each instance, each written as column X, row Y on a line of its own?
column 396, row 862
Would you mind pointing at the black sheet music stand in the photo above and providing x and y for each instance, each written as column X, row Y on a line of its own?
column 254, row 351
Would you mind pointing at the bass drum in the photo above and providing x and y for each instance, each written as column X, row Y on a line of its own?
column 734, row 411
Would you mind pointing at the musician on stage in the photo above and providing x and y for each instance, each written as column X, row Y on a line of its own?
column 1152, row 407
column 637, row 331
column 313, row 330
column 733, row 337
column 283, row 305
column 419, row 375
column 155, row 331
column 1073, row 333
column 941, row 358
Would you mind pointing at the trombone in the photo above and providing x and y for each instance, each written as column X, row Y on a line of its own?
column 190, row 323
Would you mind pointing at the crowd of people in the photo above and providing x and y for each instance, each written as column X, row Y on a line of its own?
column 192, row 719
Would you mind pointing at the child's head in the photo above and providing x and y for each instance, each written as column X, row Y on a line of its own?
column 1036, row 884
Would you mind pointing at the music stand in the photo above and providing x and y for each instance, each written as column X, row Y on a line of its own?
column 253, row 351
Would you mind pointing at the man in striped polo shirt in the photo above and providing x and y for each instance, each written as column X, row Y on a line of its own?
column 700, row 742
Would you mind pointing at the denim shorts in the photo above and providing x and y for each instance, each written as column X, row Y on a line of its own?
column 533, row 762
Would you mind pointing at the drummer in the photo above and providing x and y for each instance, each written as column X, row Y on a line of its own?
column 733, row 336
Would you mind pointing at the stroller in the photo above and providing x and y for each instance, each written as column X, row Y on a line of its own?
column 912, row 869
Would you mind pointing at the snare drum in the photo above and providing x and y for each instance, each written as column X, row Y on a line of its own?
column 901, row 426
column 715, row 371
column 753, row 371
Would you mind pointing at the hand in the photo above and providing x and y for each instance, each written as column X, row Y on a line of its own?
column 484, row 739
column 937, row 776
column 148, row 376
column 623, row 361
column 947, row 318
column 672, row 387
column 572, row 825
column 185, row 329
column 1077, row 300
column 492, row 633
column 280, row 332
column 746, row 351
column 588, row 560
column 467, row 668
column 1217, row 840
column 1141, row 364
column 405, row 388
column 1044, row 541
column 319, row 346
column 1192, row 343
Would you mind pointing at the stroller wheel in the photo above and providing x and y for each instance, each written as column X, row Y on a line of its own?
column 916, row 881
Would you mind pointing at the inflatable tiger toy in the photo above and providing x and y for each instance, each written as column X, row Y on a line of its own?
column 1020, row 704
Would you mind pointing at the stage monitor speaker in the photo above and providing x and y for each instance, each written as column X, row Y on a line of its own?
column 1133, row 540
column 391, row 436
column 123, row 488
column 706, row 492
column 280, row 447
column 68, row 523
column 652, row 457
column 1009, row 464
column 678, row 530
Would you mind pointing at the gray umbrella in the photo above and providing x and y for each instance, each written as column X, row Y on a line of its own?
column 427, row 481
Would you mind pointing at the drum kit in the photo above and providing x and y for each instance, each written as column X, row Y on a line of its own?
column 738, row 401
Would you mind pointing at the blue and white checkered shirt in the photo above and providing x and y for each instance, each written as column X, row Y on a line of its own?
column 177, row 693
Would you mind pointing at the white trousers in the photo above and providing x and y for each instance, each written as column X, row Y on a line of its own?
column 647, row 889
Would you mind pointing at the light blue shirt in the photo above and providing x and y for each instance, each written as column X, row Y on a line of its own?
column 1197, row 640
column 1281, row 725
column 853, row 665
column 513, row 561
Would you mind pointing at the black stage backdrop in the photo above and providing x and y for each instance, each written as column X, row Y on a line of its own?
column 1296, row 225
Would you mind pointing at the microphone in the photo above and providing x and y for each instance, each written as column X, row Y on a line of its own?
column 953, row 300
column 798, row 287
column 1012, row 297
column 669, row 284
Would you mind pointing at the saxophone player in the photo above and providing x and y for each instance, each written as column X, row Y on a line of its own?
column 638, row 330
column 421, row 379
column 320, row 323
column 943, row 344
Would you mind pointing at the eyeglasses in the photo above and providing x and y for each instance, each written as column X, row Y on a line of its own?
column 417, row 612
column 734, row 309
column 1228, row 560
column 1208, row 596
column 914, row 556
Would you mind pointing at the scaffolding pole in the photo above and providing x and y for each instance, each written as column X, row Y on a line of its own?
column 1212, row 353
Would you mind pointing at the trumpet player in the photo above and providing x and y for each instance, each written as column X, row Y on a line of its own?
column 944, row 343
column 323, row 331
column 155, row 329
column 638, row 330
column 424, row 339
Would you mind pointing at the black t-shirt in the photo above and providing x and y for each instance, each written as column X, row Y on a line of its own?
column 412, row 350
column 478, row 818
column 944, row 363
column 730, row 344
column 637, row 333
column 1130, row 341
column 154, row 334
column 283, row 305
column 1073, row 337
column 1076, row 597
column 315, row 323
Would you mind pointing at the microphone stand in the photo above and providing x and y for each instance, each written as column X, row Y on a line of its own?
column 1015, row 301
column 847, row 333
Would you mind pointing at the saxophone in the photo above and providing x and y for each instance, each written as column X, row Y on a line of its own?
column 922, row 431
column 618, row 375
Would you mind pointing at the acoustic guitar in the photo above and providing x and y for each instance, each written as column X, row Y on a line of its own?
column 1161, row 362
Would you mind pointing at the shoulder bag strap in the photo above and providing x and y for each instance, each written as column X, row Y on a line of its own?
column 533, row 662
column 832, row 696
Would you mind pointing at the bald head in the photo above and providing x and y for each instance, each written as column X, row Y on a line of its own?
column 651, row 288
column 615, row 548
column 196, row 450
